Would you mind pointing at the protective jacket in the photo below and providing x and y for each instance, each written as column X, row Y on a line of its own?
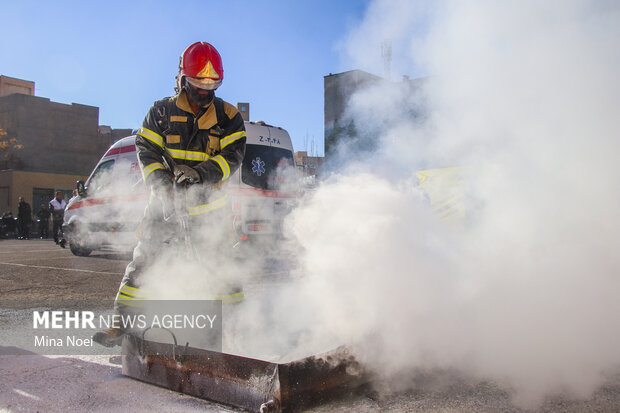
column 212, row 142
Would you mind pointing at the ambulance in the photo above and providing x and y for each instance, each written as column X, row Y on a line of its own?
column 106, row 212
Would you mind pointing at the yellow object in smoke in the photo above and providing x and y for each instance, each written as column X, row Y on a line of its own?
column 445, row 190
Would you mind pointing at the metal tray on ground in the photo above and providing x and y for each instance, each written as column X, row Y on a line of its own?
column 242, row 382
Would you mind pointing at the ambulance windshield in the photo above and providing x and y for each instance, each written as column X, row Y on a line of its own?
column 101, row 177
column 268, row 168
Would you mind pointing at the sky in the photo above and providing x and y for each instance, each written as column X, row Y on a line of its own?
column 122, row 56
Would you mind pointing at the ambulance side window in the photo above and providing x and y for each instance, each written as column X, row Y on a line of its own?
column 101, row 177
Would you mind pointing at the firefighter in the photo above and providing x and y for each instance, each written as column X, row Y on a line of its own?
column 57, row 209
column 188, row 146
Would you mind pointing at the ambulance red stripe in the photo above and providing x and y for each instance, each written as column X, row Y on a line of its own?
column 109, row 200
column 122, row 149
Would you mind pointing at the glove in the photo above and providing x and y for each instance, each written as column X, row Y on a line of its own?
column 165, row 194
column 186, row 174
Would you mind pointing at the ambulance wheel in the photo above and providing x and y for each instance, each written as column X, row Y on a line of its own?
column 79, row 250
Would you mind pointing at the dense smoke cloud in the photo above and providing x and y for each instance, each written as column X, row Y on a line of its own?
column 523, row 97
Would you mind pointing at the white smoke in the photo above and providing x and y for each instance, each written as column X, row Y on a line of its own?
column 525, row 97
column 115, row 197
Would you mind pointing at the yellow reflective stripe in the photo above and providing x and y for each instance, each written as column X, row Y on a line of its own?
column 231, row 298
column 231, row 138
column 125, row 297
column 188, row 155
column 441, row 203
column 152, row 167
column 151, row 136
column 211, row 206
column 127, row 301
column 130, row 291
column 129, row 287
column 223, row 164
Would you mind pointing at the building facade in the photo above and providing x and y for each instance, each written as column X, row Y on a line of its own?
column 338, row 89
column 46, row 146
column 309, row 168
column 399, row 100
column 10, row 85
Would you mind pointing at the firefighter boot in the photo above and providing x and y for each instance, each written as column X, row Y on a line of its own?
column 109, row 338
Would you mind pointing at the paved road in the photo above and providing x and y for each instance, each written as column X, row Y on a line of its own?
column 36, row 272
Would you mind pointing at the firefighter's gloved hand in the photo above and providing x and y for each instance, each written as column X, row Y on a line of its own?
column 165, row 194
column 186, row 174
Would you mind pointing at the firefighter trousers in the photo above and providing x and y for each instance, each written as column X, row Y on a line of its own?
column 164, row 258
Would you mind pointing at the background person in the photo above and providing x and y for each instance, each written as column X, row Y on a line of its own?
column 44, row 221
column 57, row 209
column 24, row 218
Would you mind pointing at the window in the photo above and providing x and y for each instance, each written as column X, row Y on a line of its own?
column 269, row 168
column 41, row 196
column 101, row 177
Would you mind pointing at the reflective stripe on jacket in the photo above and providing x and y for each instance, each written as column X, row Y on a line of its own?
column 213, row 142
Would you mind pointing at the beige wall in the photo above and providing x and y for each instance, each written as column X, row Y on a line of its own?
column 21, row 183
column 9, row 85
column 56, row 137
column 6, row 180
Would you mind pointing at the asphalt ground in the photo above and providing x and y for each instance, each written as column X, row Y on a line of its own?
column 34, row 273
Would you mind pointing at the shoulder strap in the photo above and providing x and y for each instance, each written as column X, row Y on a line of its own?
column 219, row 110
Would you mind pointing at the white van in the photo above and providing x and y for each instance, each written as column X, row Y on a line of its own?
column 111, row 203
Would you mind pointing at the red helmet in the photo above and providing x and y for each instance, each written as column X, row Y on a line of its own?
column 201, row 63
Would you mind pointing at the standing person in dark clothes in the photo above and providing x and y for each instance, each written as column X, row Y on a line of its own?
column 24, row 218
column 44, row 219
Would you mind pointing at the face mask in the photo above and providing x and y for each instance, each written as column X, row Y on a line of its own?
column 201, row 97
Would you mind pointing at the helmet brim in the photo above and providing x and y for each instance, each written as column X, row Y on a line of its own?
column 204, row 82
